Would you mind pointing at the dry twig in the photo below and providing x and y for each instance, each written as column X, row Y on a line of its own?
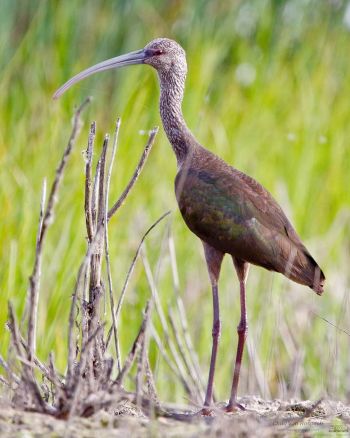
column 109, row 273
column 27, row 377
column 131, row 269
column 184, row 377
column 171, row 364
column 44, row 223
column 194, row 363
column 143, row 354
column 134, row 349
column 9, row 371
column 136, row 174
column 87, row 385
column 190, row 371
column 88, row 166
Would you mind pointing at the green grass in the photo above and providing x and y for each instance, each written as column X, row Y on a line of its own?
column 289, row 129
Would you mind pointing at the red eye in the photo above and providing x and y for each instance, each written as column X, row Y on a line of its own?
column 154, row 52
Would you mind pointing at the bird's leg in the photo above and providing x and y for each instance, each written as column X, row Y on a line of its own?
column 242, row 272
column 213, row 258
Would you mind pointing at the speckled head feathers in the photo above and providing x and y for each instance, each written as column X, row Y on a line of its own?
column 165, row 54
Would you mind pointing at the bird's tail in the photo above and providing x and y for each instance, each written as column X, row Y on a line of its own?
column 302, row 268
column 318, row 276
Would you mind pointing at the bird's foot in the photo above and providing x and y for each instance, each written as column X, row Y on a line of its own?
column 212, row 411
column 234, row 406
column 206, row 411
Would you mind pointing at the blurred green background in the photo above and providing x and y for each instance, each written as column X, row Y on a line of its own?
column 268, row 90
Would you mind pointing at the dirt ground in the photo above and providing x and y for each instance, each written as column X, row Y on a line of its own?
column 260, row 419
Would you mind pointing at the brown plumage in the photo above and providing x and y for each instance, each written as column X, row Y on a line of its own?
column 228, row 210
column 248, row 222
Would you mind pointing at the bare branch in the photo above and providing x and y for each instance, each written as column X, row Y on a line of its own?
column 87, row 385
column 152, row 391
column 3, row 381
column 12, row 325
column 88, row 166
column 59, row 171
column 44, row 223
column 7, row 368
column 165, row 327
column 132, row 266
column 95, row 269
column 101, row 192
column 41, row 214
column 86, row 346
column 194, row 363
column 170, row 362
column 143, row 354
column 75, row 388
column 35, row 361
column 94, row 196
column 54, row 377
column 27, row 376
column 71, row 343
column 331, row 323
column 34, row 283
column 180, row 347
column 109, row 274
column 134, row 349
column 136, row 174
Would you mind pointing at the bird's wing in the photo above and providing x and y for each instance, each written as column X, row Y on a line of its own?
column 260, row 204
column 217, row 189
column 235, row 214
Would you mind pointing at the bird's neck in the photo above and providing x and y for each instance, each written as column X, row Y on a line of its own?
column 179, row 135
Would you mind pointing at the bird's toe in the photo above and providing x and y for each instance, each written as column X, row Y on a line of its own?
column 232, row 407
column 206, row 412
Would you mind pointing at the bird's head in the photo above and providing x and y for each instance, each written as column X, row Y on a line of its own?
column 163, row 54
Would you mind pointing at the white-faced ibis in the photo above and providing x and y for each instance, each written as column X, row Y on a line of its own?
column 229, row 211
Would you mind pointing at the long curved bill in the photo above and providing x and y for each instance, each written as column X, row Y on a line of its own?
column 136, row 57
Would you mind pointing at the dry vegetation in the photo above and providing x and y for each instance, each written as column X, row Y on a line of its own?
column 288, row 128
column 261, row 419
column 93, row 384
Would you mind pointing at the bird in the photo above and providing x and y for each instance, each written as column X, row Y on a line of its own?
column 229, row 211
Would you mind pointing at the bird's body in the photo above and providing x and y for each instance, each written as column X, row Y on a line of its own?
column 229, row 211
column 248, row 222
